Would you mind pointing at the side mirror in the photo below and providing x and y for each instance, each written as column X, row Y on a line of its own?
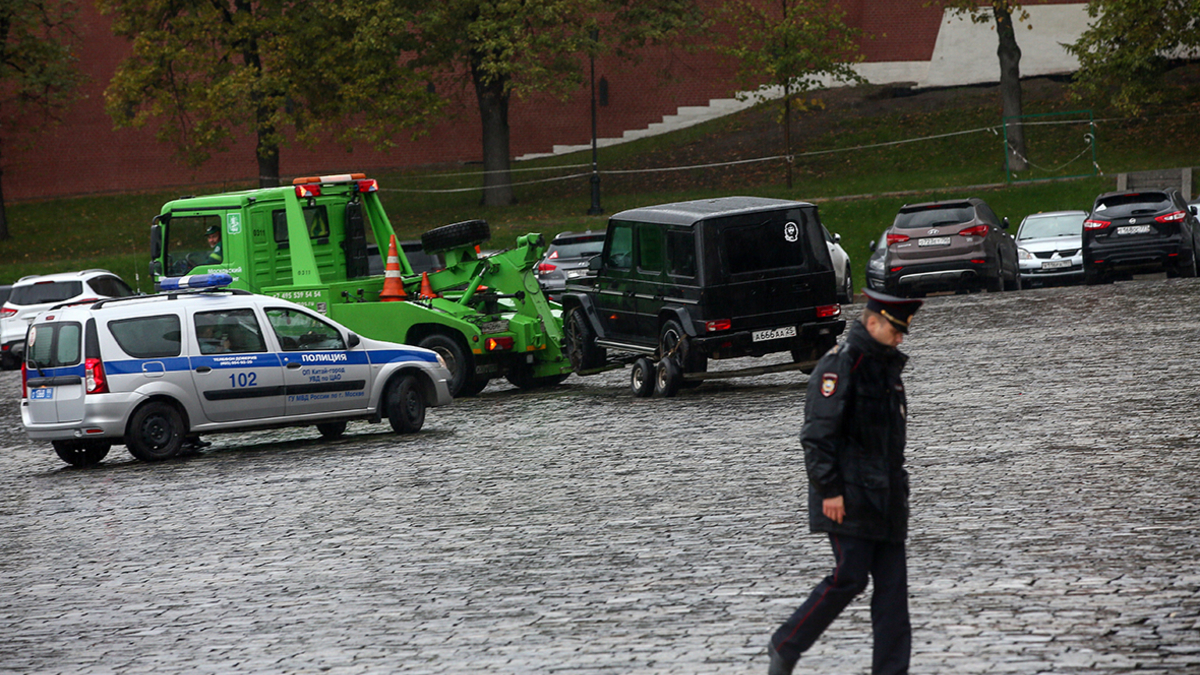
column 155, row 241
column 837, row 238
column 353, row 340
column 595, row 263
column 1004, row 223
column 871, row 246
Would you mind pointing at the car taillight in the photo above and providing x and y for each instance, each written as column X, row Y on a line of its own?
column 897, row 239
column 719, row 324
column 93, row 375
column 546, row 267
column 828, row 311
column 1171, row 217
column 1090, row 224
column 502, row 343
column 977, row 231
column 7, row 312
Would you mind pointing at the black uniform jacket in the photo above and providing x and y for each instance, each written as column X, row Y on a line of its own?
column 853, row 438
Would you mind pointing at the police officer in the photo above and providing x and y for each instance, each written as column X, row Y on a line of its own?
column 853, row 438
column 216, row 255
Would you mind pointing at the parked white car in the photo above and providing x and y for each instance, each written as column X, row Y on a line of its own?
column 149, row 371
column 841, row 267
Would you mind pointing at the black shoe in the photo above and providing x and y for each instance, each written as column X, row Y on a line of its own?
column 778, row 665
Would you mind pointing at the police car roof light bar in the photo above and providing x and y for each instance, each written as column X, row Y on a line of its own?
column 194, row 281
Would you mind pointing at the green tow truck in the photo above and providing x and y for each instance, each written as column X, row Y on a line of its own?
column 318, row 243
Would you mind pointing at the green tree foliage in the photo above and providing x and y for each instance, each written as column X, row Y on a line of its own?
column 507, row 48
column 38, row 74
column 207, row 71
column 796, row 46
column 1006, row 14
column 1129, row 45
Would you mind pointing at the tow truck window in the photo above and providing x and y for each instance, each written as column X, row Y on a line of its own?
column 299, row 331
column 187, row 245
column 316, row 219
column 148, row 337
column 232, row 331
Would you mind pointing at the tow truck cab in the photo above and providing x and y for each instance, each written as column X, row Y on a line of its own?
column 311, row 243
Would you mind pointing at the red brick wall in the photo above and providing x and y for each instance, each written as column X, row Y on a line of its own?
column 86, row 155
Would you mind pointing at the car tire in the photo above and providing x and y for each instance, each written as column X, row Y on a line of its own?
column 667, row 378
column 674, row 342
column 473, row 386
column 641, row 378
column 1013, row 284
column 521, row 377
column 82, row 453
column 579, row 341
column 156, row 432
column 994, row 284
column 331, row 430
column 846, row 294
column 1094, row 278
column 404, row 404
column 1188, row 270
column 460, row 365
column 8, row 361
column 455, row 235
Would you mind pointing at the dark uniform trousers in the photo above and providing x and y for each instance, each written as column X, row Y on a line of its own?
column 855, row 559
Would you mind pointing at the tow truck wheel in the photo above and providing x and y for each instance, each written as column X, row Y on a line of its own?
column 641, row 378
column 155, row 432
column 405, row 405
column 460, row 365
column 667, row 378
column 331, row 429
column 82, row 453
column 579, row 342
column 522, row 377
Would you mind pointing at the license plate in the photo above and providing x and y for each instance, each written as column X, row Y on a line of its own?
column 934, row 241
column 773, row 333
column 1134, row 229
column 494, row 327
column 1055, row 264
column 575, row 274
column 41, row 393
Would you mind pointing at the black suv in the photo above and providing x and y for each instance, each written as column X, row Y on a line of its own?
column 1146, row 231
column 717, row 278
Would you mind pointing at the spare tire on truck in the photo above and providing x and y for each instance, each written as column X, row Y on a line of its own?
column 466, row 234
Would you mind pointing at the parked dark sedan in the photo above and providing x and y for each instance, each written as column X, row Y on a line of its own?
column 877, row 263
column 957, row 245
column 1145, row 231
column 567, row 258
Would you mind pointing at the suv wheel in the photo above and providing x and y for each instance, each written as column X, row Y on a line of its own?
column 155, row 432
column 579, row 341
column 521, row 377
column 81, row 453
column 641, row 378
column 404, row 405
column 1093, row 278
column 673, row 344
column 1188, row 269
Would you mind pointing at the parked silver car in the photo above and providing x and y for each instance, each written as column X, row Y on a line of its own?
column 1050, row 247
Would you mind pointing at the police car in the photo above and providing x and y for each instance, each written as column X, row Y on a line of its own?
column 153, row 371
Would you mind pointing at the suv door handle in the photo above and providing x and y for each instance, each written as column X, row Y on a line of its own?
column 203, row 369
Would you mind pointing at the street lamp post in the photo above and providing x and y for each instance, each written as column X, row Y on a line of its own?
column 594, row 209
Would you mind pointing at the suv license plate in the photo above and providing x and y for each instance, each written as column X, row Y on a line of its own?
column 1134, row 229
column 773, row 334
column 934, row 241
column 1055, row 264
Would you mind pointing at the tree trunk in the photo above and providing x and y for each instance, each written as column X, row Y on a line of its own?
column 493, row 113
column 4, row 235
column 268, row 159
column 1010, row 86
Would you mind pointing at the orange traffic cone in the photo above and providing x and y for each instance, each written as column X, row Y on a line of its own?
column 426, row 289
column 393, row 286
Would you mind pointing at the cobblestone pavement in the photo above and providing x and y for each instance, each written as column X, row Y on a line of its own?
column 1056, row 498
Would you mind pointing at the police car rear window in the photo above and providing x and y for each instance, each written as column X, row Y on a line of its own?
column 52, row 345
column 148, row 337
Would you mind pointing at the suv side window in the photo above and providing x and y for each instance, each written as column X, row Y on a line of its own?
column 232, row 331
column 620, row 247
column 112, row 287
column 302, row 331
column 681, row 252
column 986, row 214
column 650, row 248
column 148, row 337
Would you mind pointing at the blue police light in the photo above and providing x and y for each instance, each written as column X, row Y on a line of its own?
column 194, row 281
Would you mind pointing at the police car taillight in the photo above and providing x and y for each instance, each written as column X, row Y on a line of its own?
column 93, row 376
column 24, row 376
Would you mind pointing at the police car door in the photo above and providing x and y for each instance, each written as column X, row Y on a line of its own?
column 56, row 372
column 235, row 376
column 322, row 373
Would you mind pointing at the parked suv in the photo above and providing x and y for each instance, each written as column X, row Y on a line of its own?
column 711, row 279
column 957, row 245
column 567, row 258
column 1147, row 231
column 148, row 371
column 33, row 294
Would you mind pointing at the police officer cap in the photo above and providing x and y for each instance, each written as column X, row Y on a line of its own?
column 213, row 229
column 898, row 311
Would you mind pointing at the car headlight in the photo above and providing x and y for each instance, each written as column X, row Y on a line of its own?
column 875, row 264
column 1025, row 255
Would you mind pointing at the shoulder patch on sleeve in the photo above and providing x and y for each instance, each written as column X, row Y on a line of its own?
column 829, row 382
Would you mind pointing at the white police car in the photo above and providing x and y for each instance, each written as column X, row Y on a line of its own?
column 149, row 371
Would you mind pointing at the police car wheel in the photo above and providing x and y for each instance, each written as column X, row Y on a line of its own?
column 82, row 453
column 405, row 405
column 332, row 429
column 155, row 432
column 641, row 378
